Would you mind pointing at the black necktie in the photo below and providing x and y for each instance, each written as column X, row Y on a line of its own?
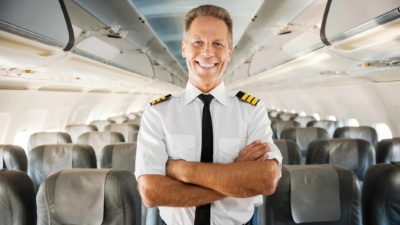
column 202, row 216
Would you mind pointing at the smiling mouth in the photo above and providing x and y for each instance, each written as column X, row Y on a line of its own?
column 206, row 66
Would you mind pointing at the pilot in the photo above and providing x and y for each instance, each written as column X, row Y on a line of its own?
column 205, row 155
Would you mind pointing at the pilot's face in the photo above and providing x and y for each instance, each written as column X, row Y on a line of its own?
column 207, row 50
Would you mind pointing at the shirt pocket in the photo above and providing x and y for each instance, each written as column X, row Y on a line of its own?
column 229, row 149
column 181, row 147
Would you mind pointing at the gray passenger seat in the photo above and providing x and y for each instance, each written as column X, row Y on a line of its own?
column 278, row 126
column 99, row 139
column 87, row 196
column 47, row 159
column 388, row 150
column 328, row 125
column 303, row 136
column 363, row 132
column 313, row 194
column 130, row 131
column 46, row 138
column 356, row 155
column 75, row 130
column 290, row 152
column 381, row 195
column 13, row 157
column 17, row 198
column 122, row 156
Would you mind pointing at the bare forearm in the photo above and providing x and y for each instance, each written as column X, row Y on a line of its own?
column 157, row 190
column 244, row 179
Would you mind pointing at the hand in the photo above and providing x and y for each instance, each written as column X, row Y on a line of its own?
column 255, row 151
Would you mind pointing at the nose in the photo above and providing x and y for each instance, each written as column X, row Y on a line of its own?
column 207, row 51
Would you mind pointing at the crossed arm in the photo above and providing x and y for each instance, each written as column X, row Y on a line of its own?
column 189, row 184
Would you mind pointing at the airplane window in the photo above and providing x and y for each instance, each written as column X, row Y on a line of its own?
column 316, row 116
column 352, row 122
column 22, row 139
column 383, row 131
column 5, row 119
column 331, row 117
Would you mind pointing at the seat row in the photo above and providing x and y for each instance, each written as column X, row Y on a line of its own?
column 330, row 195
column 306, row 194
column 356, row 155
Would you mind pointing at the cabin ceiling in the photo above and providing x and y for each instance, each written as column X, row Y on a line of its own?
column 277, row 43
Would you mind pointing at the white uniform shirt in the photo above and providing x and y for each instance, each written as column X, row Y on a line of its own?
column 172, row 130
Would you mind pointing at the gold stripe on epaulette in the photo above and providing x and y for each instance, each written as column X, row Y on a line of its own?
column 247, row 98
column 158, row 100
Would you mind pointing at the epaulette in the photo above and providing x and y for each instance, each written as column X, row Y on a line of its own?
column 247, row 98
column 158, row 100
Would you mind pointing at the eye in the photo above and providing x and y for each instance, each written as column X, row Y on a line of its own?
column 218, row 44
column 197, row 43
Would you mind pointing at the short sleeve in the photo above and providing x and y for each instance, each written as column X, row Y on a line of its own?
column 260, row 129
column 151, row 154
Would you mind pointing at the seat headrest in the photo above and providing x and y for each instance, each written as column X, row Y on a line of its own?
column 17, row 197
column 388, row 150
column 78, row 129
column 320, row 194
column 304, row 135
column 381, row 195
column 46, row 159
column 363, row 132
column 291, row 154
column 99, row 139
column 310, row 202
column 88, row 196
column 13, row 157
column 130, row 131
column 353, row 154
column 119, row 156
column 44, row 138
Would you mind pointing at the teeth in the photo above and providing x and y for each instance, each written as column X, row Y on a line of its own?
column 206, row 65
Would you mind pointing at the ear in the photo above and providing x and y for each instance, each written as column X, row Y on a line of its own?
column 230, row 51
column 183, row 49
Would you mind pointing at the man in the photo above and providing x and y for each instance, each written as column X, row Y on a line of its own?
column 205, row 155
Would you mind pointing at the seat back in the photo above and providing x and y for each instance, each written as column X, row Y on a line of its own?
column 87, row 196
column 130, row 131
column 381, row 195
column 363, row 132
column 17, row 198
column 290, row 152
column 353, row 154
column 313, row 194
column 120, row 156
column 99, row 139
column 304, row 120
column 328, row 125
column 388, row 150
column 46, row 138
column 47, row 159
column 76, row 130
column 101, row 124
column 13, row 157
column 304, row 136
column 278, row 126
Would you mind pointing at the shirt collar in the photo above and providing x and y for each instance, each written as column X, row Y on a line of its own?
column 219, row 93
